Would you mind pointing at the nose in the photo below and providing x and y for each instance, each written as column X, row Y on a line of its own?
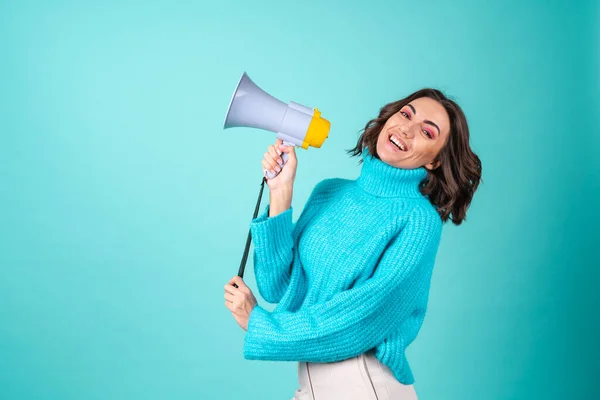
column 408, row 131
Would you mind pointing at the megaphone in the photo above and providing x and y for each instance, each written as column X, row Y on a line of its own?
column 295, row 124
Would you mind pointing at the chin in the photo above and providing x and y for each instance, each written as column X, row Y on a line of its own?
column 393, row 161
column 384, row 155
column 388, row 159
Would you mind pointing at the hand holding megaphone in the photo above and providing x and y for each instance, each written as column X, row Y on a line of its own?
column 278, row 156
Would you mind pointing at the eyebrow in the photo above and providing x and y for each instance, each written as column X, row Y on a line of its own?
column 426, row 121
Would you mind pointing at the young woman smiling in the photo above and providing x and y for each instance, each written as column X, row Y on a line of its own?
column 351, row 277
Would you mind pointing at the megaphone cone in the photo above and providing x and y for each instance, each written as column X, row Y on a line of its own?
column 250, row 106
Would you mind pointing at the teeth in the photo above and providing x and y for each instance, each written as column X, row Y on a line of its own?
column 397, row 143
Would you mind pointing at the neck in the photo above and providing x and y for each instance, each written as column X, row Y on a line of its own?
column 383, row 180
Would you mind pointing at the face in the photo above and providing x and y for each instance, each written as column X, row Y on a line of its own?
column 414, row 136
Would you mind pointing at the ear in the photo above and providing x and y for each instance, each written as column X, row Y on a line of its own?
column 432, row 165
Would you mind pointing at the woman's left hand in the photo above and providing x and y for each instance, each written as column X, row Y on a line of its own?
column 240, row 301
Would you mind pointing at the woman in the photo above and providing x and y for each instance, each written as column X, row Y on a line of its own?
column 352, row 275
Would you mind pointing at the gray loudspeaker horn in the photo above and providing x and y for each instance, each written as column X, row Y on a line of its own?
column 250, row 106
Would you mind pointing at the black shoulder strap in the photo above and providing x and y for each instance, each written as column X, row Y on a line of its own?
column 249, row 239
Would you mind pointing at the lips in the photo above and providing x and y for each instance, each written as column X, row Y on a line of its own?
column 395, row 138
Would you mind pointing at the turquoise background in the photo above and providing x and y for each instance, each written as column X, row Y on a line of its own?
column 125, row 206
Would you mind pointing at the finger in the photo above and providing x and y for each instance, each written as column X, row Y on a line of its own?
column 271, row 157
column 242, row 289
column 271, row 165
column 229, row 297
column 238, row 280
column 268, row 159
column 276, row 155
column 278, row 142
column 287, row 149
column 275, row 148
column 268, row 167
column 229, row 288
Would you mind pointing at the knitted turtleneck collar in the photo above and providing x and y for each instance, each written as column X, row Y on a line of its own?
column 381, row 179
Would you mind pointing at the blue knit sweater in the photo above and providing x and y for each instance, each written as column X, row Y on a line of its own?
column 352, row 274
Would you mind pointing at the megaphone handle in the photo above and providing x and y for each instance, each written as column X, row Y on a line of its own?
column 284, row 157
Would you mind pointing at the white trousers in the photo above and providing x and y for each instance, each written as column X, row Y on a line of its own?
column 362, row 377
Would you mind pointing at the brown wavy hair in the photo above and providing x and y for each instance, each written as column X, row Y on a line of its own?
column 450, row 187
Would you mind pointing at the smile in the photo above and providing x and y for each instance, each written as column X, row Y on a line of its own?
column 397, row 142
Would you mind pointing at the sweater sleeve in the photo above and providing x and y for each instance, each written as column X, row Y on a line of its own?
column 273, row 253
column 355, row 320
column 274, row 248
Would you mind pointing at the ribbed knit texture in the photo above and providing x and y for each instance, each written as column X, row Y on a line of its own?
column 352, row 274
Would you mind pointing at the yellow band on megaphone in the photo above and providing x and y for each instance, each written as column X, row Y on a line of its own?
column 317, row 132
